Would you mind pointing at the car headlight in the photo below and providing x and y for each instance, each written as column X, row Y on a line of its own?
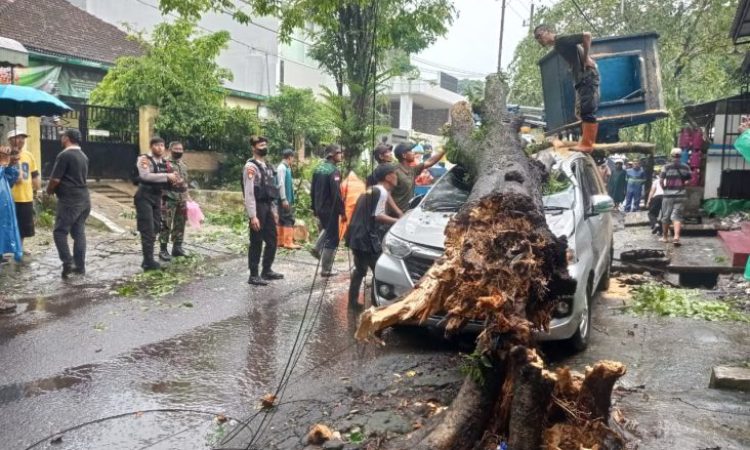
column 396, row 247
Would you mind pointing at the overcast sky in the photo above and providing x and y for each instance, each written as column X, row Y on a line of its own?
column 471, row 44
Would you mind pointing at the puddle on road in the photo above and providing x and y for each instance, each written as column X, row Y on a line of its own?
column 225, row 367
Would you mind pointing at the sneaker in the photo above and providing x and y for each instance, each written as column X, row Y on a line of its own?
column 255, row 280
column 271, row 275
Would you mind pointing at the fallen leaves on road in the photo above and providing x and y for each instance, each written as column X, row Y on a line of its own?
column 319, row 434
column 268, row 401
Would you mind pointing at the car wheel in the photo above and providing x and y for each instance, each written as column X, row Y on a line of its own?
column 604, row 281
column 580, row 339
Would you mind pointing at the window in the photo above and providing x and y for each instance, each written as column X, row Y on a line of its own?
column 621, row 79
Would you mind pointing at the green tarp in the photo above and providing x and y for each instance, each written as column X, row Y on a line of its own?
column 717, row 207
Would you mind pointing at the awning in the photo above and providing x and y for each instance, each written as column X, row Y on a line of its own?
column 12, row 53
column 741, row 25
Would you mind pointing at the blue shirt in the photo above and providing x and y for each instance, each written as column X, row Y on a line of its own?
column 636, row 177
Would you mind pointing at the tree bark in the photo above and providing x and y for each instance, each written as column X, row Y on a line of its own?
column 503, row 266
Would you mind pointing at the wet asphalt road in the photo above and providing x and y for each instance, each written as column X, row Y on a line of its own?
column 85, row 355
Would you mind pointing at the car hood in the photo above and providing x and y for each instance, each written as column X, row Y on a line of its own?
column 427, row 228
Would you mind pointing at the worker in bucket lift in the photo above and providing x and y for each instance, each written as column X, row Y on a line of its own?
column 575, row 50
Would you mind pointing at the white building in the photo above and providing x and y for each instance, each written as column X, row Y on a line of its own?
column 419, row 108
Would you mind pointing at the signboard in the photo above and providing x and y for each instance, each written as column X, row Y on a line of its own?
column 57, row 80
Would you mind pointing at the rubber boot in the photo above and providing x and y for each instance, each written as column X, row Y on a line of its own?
column 326, row 262
column 177, row 250
column 288, row 233
column 588, row 137
column 164, row 253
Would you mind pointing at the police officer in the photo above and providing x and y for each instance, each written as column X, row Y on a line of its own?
column 174, row 207
column 154, row 176
column 261, row 196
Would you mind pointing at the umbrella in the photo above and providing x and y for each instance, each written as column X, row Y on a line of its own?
column 24, row 101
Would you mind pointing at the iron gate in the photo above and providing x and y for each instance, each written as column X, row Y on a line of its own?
column 109, row 139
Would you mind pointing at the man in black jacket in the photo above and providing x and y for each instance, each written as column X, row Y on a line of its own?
column 328, row 206
column 368, row 224
column 154, row 175
column 261, row 196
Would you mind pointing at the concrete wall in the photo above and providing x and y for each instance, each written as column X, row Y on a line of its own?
column 298, row 69
column 428, row 121
column 252, row 55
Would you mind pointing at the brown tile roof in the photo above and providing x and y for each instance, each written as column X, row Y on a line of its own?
column 58, row 27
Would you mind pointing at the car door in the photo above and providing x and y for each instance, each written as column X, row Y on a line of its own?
column 598, row 225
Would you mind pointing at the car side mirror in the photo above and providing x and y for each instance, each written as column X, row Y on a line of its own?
column 601, row 204
column 414, row 202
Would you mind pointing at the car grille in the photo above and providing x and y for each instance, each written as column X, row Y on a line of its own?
column 417, row 266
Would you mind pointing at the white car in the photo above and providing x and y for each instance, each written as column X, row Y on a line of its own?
column 580, row 211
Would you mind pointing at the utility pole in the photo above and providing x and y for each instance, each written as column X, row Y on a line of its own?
column 500, row 50
column 531, row 18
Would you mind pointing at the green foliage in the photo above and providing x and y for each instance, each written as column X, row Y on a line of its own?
column 233, row 127
column 178, row 74
column 360, row 44
column 159, row 283
column 234, row 220
column 663, row 301
column 297, row 114
column 694, row 50
column 557, row 182
column 475, row 365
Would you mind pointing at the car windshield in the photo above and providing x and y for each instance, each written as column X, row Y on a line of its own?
column 449, row 193
column 559, row 192
column 452, row 191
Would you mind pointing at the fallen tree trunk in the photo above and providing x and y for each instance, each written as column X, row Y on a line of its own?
column 502, row 266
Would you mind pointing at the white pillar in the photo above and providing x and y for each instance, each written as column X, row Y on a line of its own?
column 404, row 112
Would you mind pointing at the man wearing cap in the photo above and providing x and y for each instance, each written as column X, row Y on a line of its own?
column 368, row 225
column 68, row 182
column 27, row 184
column 636, row 178
column 155, row 175
column 383, row 154
column 674, row 178
column 261, row 197
column 286, row 201
column 403, row 191
column 328, row 206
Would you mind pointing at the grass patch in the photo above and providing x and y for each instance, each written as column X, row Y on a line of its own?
column 159, row 283
column 236, row 221
column 663, row 301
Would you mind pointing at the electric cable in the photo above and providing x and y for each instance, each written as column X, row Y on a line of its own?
column 580, row 10
column 121, row 415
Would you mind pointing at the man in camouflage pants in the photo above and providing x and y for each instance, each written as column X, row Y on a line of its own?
column 174, row 208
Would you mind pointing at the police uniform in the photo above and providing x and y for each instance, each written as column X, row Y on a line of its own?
column 174, row 212
column 152, row 180
column 261, row 195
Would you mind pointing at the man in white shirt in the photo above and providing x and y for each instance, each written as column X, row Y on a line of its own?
column 367, row 226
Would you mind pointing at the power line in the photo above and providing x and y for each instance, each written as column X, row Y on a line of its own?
column 580, row 10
